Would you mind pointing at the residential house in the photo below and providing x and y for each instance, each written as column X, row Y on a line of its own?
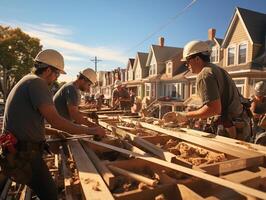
column 156, row 64
column 140, row 71
column 244, row 49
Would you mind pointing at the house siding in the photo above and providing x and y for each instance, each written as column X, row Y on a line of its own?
column 239, row 35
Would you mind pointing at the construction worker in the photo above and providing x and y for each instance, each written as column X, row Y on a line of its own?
column 67, row 98
column 259, row 119
column 120, row 97
column 217, row 91
column 28, row 105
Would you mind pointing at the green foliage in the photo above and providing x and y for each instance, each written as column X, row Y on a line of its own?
column 17, row 53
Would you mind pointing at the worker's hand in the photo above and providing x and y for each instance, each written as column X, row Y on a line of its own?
column 178, row 117
column 98, row 131
column 169, row 117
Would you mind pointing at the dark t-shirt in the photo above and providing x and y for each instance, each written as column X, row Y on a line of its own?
column 68, row 94
column 123, row 93
column 213, row 83
column 22, row 116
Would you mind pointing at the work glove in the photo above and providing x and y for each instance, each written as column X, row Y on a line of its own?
column 178, row 117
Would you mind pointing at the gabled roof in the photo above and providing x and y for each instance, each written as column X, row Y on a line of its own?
column 162, row 54
column 130, row 63
column 142, row 58
column 254, row 23
column 219, row 40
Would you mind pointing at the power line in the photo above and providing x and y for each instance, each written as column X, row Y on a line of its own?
column 163, row 25
column 95, row 60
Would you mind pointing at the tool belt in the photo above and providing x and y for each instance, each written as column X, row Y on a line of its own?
column 16, row 157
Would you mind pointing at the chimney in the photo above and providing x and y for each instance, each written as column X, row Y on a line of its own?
column 211, row 33
column 161, row 41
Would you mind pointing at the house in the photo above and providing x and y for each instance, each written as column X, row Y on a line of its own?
column 140, row 71
column 156, row 64
column 130, row 75
column 244, row 49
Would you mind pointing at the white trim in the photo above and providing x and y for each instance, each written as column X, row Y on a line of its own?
column 236, row 14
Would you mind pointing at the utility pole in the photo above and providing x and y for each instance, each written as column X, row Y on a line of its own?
column 95, row 60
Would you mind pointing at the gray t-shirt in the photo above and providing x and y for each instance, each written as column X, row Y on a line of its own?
column 22, row 116
column 213, row 83
column 68, row 94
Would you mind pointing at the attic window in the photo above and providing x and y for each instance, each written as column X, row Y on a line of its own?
column 242, row 53
column 231, row 56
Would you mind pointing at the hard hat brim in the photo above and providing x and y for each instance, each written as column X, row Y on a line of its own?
column 183, row 59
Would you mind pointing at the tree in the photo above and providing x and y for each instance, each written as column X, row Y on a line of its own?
column 17, row 53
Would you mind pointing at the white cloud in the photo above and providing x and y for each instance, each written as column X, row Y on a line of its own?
column 53, row 36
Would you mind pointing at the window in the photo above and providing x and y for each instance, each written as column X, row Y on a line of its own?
column 173, row 91
column 240, row 84
column 147, row 90
column 242, row 54
column 180, row 90
column 169, row 70
column 231, row 56
column 215, row 55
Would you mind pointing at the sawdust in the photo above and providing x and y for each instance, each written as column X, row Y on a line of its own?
column 195, row 155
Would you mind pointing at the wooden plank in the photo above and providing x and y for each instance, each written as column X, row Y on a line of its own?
column 165, row 155
column 107, row 175
column 25, row 194
column 226, row 140
column 192, row 172
column 245, row 177
column 67, row 176
column 92, row 183
column 133, row 175
column 188, row 194
column 204, row 142
column 232, row 165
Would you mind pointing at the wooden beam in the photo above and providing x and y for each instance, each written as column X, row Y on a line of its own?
column 107, row 175
column 226, row 140
column 25, row 194
column 192, row 172
column 134, row 176
column 165, row 155
column 232, row 165
column 67, row 175
column 92, row 183
column 204, row 142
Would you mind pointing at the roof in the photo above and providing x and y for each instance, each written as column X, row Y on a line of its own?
column 219, row 41
column 162, row 54
column 130, row 63
column 254, row 24
column 142, row 57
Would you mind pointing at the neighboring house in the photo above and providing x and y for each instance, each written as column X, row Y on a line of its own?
column 130, row 74
column 140, row 71
column 156, row 63
column 123, row 74
column 244, row 49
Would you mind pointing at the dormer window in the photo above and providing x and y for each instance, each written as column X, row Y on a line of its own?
column 231, row 55
column 242, row 53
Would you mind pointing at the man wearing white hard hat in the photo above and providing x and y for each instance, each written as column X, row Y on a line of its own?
column 258, row 102
column 217, row 91
column 28, row 105
column 67, row 98
column 120, row 97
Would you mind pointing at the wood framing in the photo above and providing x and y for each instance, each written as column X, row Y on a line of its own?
column 213, row 179
column 92, row 183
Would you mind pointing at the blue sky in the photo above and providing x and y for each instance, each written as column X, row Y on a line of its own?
column 112, row 29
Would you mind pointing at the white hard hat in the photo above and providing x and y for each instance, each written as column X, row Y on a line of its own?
column 195, row 47
column 89, row 74
column 118, row 83
column 51, row 57
column 260, row 88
